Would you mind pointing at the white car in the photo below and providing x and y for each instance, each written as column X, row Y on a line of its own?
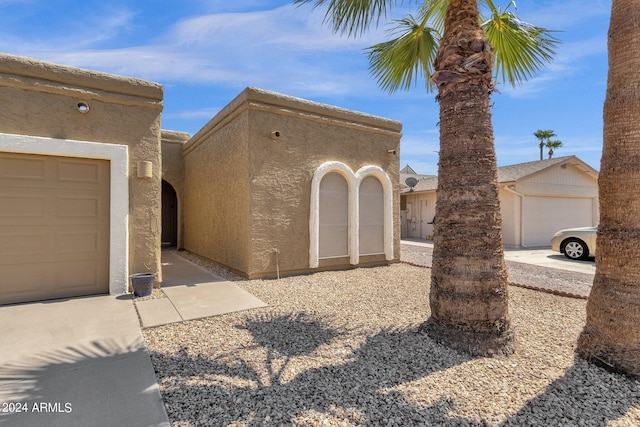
column 575, row 243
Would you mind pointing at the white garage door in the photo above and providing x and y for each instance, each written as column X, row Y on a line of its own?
column 543, row 216
column 54, row 227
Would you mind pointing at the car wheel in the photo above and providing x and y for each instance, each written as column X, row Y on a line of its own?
column 576, row 249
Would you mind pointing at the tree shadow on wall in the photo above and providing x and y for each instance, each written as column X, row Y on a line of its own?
column 228, row 389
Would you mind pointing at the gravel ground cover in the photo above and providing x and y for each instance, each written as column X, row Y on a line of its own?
column 553, row 280
column 342, row 349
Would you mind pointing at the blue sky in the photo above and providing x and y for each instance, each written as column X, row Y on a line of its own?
column 206, row 52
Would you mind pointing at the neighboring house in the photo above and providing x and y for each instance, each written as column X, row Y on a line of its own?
column 536, row 198
column 91, row 187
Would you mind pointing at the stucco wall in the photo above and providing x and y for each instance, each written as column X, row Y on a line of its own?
column 173, row 170
column 258, row 185
column 217, row 190
column 43, row 99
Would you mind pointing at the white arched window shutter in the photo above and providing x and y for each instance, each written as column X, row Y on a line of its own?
column 314, row 220
column 353, row 182
column 387, row 189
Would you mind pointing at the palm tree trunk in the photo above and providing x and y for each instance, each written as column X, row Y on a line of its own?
column 468, row 297
column 541, row 147
column 611, row 336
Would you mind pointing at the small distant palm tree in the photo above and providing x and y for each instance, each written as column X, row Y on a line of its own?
column 543, row 135
column 551, row 145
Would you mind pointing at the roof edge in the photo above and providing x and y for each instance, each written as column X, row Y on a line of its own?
column 252, row 98
column 20, row 66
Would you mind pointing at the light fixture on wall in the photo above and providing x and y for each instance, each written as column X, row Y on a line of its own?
column 83, row 107
column 145, row 169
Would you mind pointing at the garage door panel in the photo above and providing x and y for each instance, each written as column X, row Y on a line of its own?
column 20, row 171
column 79, row 171
column 546, row 215
column 18, row 279
column 83, row 277
column 23, row 282
column 21, row 244
column 15, row 246
column 52, row 207
column 64, row 243
column 79, row 245
column 21, row 206
column 87, row 207
column 20, row 168
column 54, row 227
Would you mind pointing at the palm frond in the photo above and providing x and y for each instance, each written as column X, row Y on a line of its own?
column 353, row 17
column 521, row 49
column 435, row 10
column 402, row 61
column 553, row 144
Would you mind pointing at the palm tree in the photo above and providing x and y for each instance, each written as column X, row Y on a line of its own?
column 468, row 296
column 551, row 145
column 611, row 336
column 543, row 135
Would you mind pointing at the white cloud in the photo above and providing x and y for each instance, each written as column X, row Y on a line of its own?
column 286, row 48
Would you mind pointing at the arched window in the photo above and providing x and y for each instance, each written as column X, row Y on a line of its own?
column 334, row 217
column 371, row 209
column 344, row 222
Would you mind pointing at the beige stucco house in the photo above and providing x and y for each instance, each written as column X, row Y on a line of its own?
column 536, row 199
column 80, row 180
column 91, row 187
column 280, row 185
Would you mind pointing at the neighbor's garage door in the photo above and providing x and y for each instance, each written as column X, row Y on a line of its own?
column 546, row 215
column 54, row 227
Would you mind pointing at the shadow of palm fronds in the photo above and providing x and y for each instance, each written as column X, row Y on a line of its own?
column 584, row 395
column 287, row 336
column 327, row 380
column 81, row 383
column 290, row 335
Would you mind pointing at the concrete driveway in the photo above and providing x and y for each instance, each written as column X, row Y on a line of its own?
column 76, row 362
column 543, row 257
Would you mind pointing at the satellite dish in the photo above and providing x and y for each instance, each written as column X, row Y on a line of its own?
column 411, row 182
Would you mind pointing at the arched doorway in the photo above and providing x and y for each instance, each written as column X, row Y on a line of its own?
column 169, row 215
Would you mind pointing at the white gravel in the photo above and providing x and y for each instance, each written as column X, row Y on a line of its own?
column 341, row 349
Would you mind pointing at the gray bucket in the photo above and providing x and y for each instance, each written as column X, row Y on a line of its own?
column 142, row 284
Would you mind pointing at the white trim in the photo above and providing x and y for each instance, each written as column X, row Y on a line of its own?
column 353, row 183
column 118, row 156
column 314, row 219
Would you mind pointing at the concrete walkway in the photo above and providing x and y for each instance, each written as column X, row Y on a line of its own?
column 192, row 293
column 83, row 362
column 76, row 362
